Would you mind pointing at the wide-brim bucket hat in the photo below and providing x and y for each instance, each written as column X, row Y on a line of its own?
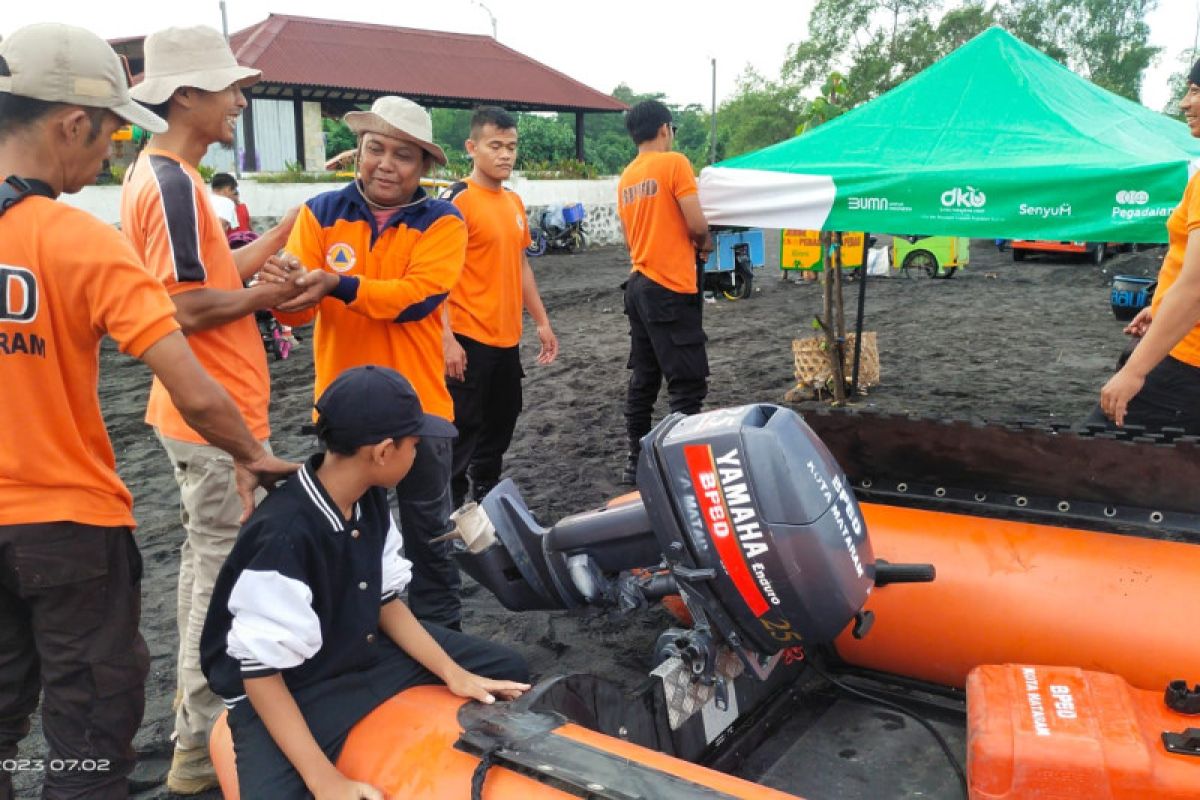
column 197, row 56
column 399, row 118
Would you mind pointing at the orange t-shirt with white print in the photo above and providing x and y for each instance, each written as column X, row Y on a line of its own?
column 1183, row 220
column 486, row 303
column 387, row 308
column 66, row 280
column 166, row 214
column 647, row 201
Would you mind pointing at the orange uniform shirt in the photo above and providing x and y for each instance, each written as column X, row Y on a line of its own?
column 66, row 280
column 387, row 308
column 166, row 214
column 1183, row 220
column 659, row 243
column 486, row 303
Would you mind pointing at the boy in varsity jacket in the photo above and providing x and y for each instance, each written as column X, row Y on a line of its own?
column 306, row 633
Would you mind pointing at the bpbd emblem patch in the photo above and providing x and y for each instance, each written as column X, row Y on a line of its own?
column 341, row 257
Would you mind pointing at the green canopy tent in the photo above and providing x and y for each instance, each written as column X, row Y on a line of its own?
column 996, row 140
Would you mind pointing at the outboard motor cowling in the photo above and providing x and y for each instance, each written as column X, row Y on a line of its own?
column 752, row 497
column 742, row 511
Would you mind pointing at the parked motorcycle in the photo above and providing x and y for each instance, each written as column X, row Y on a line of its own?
column 558, row 228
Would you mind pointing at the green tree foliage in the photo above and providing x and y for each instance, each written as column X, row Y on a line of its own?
column 1179, row 83
column 761, row 113
column 1106, row 41
column 338, row 137
column 451, row 128
column 829, row 104
column 544, row 138
column 877, row 44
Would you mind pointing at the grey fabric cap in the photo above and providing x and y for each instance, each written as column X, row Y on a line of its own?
column 60, row 63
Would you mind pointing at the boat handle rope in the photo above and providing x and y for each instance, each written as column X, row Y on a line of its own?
column 486, row 760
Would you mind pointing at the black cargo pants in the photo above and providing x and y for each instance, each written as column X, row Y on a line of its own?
column 70, row 601
column 487, row 403
column 666, row 339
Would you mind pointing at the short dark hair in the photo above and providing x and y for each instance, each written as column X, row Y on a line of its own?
column 17, row 112
column 644, row 119
column 491, row 115
column 223, row 180
column 158, row 109
column 330, row 442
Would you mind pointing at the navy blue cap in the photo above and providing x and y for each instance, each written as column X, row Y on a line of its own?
column 366, row 405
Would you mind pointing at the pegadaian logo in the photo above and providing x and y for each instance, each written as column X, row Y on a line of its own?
column 1132, row 197
column 964, row 197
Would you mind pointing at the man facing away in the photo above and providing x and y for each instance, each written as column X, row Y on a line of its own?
column 665, row 230
column 483, row 313
column 230, row 207
column 70, row 571
column 195, row 83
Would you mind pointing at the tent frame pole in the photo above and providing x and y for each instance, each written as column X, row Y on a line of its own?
column 858, row 319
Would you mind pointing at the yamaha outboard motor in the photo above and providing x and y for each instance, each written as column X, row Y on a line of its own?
column 742, row 511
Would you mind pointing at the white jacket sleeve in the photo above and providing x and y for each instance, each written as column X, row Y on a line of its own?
column 397, row 570
column 274, row 625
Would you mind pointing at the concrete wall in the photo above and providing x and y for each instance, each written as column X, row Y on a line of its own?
column 269, row 201
column 314, row 138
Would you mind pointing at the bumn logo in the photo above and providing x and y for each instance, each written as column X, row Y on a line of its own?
column 18, row 295
column 968, row 197
column 868, row 204
column 1133, row 197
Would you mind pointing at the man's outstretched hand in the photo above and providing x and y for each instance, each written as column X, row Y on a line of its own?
column 265, row 472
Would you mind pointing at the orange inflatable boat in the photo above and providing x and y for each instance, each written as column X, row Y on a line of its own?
column 871, row 602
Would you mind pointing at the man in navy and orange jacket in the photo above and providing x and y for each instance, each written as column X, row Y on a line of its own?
column 384, row 256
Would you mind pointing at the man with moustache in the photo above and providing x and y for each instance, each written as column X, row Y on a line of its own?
column 384, row 255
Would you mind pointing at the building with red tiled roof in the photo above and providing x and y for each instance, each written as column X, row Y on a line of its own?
column 319, row 67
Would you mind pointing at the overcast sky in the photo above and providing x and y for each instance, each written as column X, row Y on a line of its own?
column 651, row 46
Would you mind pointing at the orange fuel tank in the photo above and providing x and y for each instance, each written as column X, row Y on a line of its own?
column 1062, row 733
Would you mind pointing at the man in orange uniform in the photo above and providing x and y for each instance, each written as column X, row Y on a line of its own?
column 483, row 315
column 1159, row 385
column 387, row 255
column 70, row 572
column 166, row 212
column 665, row 230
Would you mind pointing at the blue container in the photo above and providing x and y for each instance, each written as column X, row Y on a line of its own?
column 573, row 213
column 723, row 258
column 1130, row 294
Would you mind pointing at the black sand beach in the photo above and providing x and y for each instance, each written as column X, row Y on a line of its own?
column 999, row 341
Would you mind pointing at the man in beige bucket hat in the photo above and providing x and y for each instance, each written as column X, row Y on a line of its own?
column 70, row 571
column 384, row 257
column 193, row 80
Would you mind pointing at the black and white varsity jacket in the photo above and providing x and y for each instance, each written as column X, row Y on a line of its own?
column 301, row 592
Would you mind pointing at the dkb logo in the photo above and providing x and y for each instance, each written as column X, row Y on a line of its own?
column 970, row 197
column 18, row 295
